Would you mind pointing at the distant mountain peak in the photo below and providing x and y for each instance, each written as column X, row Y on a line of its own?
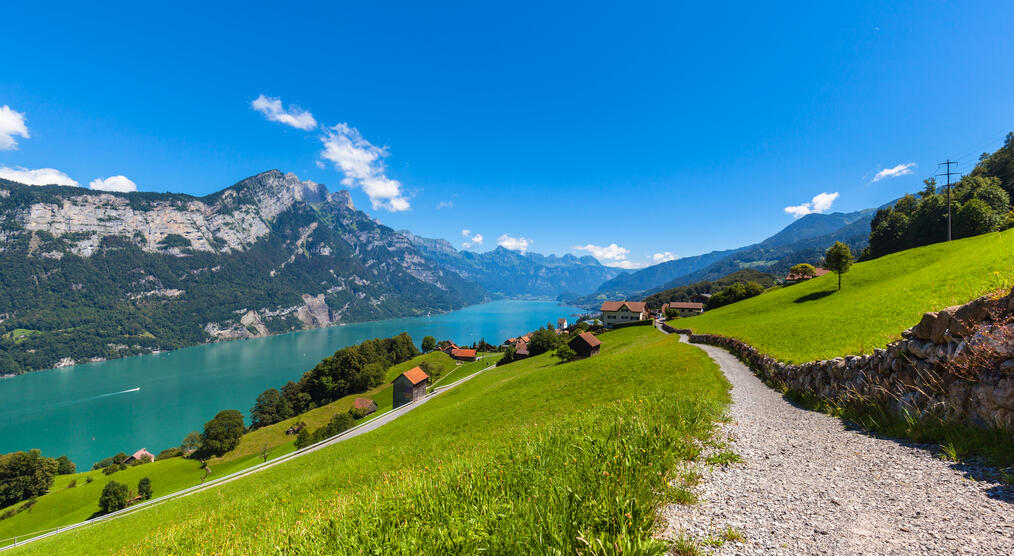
column 276, row 184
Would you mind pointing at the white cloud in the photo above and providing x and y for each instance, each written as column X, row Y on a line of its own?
column 663, row 257
column 466, row 232
column 513, row 243
column 899, row 170
column 820, row 203
column 320, row 164
column 445, row 205
column 473, row 240
column 611, row 252
column 121, row 184
column 11, row 123
column 39, row 176
column 274, row 111
column 363, row 166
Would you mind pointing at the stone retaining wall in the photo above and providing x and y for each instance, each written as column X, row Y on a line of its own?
column 957, row 363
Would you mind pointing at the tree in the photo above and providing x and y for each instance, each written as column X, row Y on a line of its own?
column 25, row 475
column 64, row 466
column 671, row 313
column 976, row 218
column 564, row 353
column 304, row 438
column 114, row 497
column 803, row 269
column 270, row 408
column 543, row 340
column 222, row 433
column 191, row 443
column 838, row 259
column 429, row 343
column 144, row 488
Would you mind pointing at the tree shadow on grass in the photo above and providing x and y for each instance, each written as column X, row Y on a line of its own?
column 813, row 296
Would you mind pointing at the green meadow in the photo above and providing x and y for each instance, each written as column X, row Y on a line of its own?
column 879, row 299
column 531, row 457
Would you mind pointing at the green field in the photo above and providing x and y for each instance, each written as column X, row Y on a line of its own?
column 878, row 300
column 531, row 457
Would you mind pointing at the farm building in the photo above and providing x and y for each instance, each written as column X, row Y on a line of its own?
column 365, row 404
column 684, row 308
column 618, row 312
column 139, row 456
column 585, row 344
column 409, row 386
column 521, row 350
column 462, row 354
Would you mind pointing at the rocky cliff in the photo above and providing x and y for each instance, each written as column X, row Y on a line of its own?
column 90, row 275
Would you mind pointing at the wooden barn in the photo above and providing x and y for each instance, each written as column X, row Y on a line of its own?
column 585, row 344
column 462, row 354
column 366, row 405
column 409, row 386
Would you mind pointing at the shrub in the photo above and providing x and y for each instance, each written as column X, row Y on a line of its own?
column 114, row 497
column 110, row 469
column 304, row 438
column 88, row 479
column 169, row 453
column 544, row 340
column 144, row 488
column 564, row 353
column 72, row 484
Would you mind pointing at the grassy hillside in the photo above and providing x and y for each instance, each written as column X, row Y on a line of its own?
column 531, row 457
column 879, row 299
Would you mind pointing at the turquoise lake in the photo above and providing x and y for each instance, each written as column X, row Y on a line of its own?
column 93, row 411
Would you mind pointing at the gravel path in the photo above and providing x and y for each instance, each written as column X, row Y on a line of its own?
column 808, row 485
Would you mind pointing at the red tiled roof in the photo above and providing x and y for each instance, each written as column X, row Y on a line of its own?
column 141, row 453
column 521, row 348
column 463, row 352
column 684, row 305
column 415, row 375
column 632, row 306
column 362, row 403
column 589, row 339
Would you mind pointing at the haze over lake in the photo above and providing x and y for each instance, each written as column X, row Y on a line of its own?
column 89, row 412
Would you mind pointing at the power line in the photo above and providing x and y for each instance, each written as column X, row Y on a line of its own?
column 948, row 173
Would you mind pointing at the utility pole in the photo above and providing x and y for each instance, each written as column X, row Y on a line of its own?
column 948, row 173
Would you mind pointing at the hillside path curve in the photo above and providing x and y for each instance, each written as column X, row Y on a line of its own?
column 810, row 485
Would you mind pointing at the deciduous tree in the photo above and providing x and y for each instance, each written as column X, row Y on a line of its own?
column 838, row 259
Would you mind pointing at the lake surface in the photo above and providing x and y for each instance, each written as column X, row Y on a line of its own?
column 93, row 411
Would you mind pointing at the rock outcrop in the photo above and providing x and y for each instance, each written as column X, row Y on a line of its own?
column 957, row 364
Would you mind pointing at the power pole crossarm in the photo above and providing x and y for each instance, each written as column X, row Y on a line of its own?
column 948, row 173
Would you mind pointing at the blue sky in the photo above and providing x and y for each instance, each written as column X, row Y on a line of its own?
column 661, row 128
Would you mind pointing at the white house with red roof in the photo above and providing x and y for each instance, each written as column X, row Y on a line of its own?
column 619, row 312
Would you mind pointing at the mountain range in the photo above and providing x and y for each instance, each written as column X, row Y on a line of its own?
column 90, row 275
column 804, row 240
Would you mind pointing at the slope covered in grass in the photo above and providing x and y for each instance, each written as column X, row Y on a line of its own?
column 878, row 300
column 531, row 457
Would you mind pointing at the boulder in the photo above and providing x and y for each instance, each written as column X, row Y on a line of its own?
column 924, row 330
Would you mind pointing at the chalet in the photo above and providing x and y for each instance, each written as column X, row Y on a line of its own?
column 585, row 344
column 684, row 308
column 462, row 354
column 521, row 350
column 793, row 278
column 139, row 457
column 410, row 386
column 619, row 312
column 451, row 346
column 366, row 405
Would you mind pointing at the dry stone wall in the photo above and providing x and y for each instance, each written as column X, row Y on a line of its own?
column 957, row 363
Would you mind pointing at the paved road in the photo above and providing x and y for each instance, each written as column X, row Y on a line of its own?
column 809, row 485
column 351, row 433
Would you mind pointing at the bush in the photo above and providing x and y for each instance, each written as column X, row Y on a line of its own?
column 72, row 484
column 144, row 488
column 544, row 340
column 88, row 479
column 110, row 469
column 114, row 497
column 564, row 353
column 304, row 438
column 169, row 453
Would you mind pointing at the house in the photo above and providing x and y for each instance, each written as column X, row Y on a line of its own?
column 139, row 457
column 451, row 346
column 521, row 350
column 619, row 312
column 585, row 344
column 561, row 323
column 793, row 278
column 410, row 386
column 684, row 308
column 365, row 405
column 462, row 354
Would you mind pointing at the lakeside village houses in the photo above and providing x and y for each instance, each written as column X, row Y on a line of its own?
column 622, row 312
